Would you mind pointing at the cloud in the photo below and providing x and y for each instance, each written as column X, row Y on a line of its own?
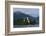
column 30, row 11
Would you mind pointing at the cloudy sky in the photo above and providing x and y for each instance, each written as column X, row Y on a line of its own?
column 30, row 11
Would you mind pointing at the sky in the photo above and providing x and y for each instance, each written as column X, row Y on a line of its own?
column 30, row 11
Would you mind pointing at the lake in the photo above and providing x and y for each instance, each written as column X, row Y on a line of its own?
column 23, row 26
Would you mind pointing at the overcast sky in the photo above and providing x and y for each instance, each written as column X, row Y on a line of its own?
column 30, row 11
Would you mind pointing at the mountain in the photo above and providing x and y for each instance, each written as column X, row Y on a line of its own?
column 19, row 15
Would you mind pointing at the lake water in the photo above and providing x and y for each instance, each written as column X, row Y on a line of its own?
column 23, row 26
